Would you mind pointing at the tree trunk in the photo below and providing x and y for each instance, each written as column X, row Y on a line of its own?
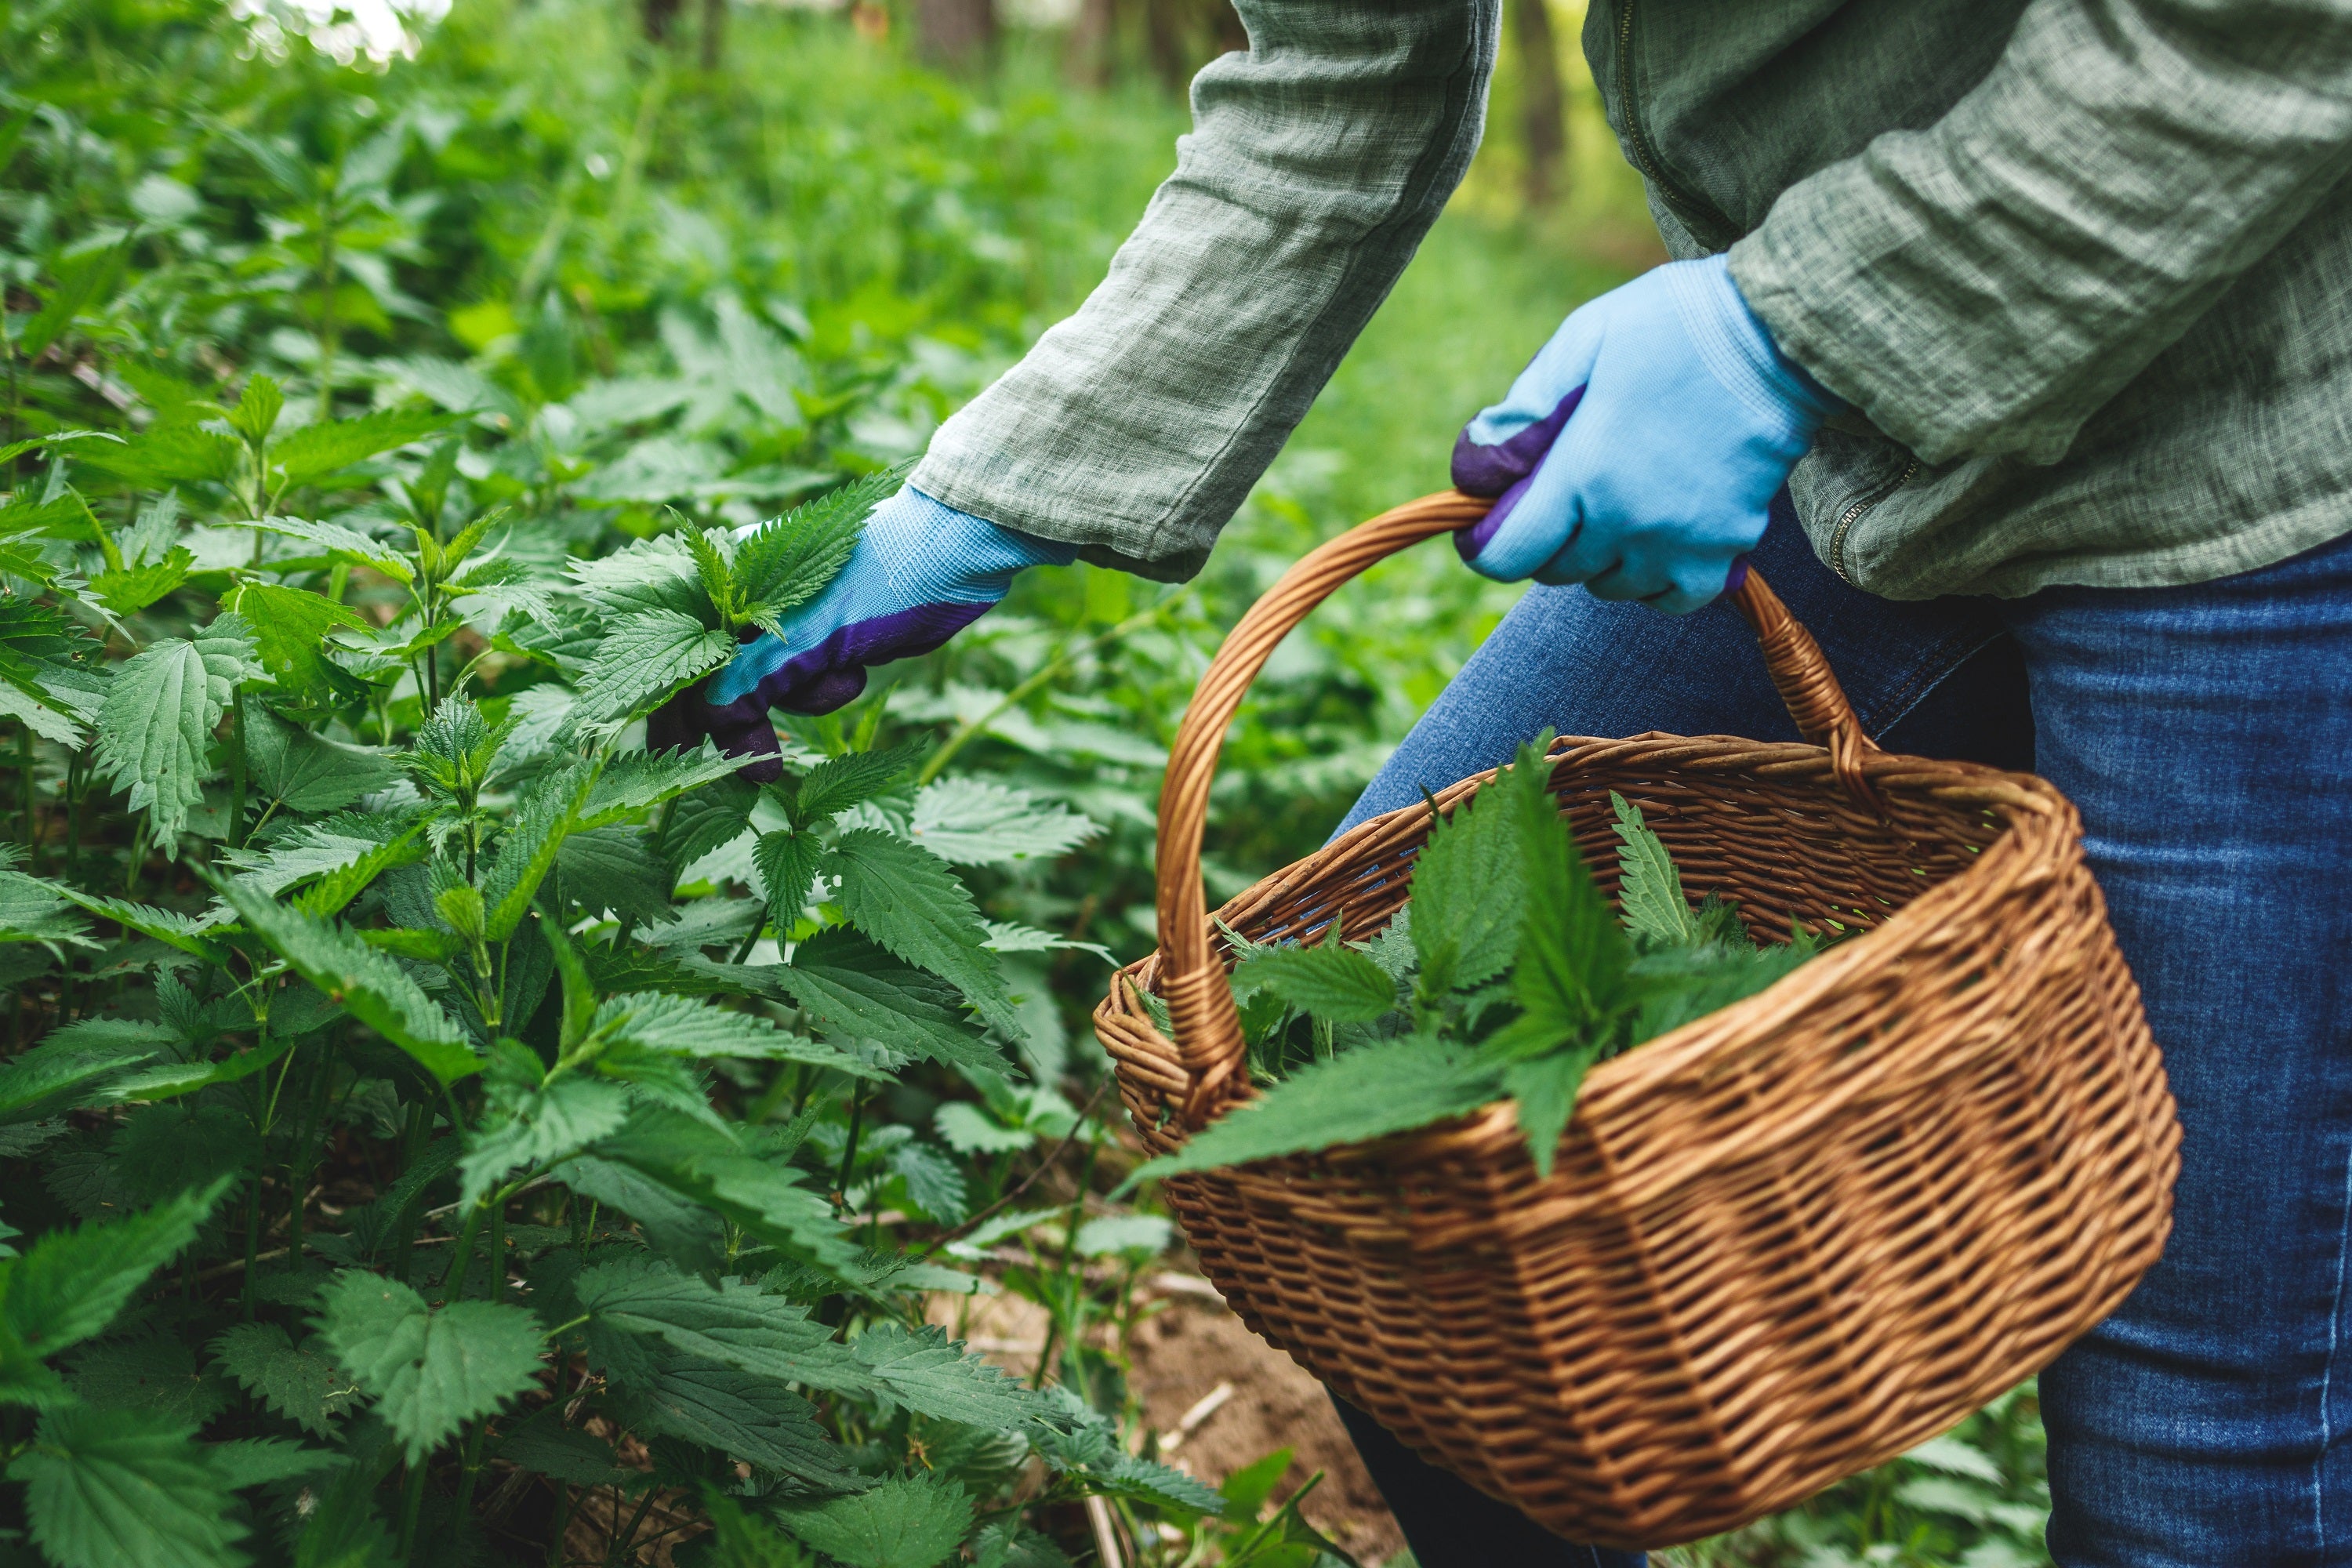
column 1093, row 38
column 955, row 31
column 714, row 33
column 660, row 16
column 1543, row 125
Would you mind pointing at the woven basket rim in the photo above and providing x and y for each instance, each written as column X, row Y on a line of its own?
column 2020, row 801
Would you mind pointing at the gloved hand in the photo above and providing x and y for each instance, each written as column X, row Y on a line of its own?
column 1638, row 452
column 921, row 573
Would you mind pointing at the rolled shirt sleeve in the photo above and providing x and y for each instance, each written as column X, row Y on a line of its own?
column 1316, row 163
column 1981, row 287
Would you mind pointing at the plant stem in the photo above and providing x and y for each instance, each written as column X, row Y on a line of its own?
column 471, row 1467
column 849, row 1148
column 412, row 1504
column 499, row 1253
column 24, row 798
column 237, row 768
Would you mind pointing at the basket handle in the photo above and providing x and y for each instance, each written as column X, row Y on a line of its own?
column 1200, row 1004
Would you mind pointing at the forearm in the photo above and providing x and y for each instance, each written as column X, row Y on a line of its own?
column 1317, row 162
column 1981, row 287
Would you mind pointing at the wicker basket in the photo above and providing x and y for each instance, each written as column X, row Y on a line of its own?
column 1781, row 1244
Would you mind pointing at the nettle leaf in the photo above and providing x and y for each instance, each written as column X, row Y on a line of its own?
column 911, row 904
column 923, row 1370
column 127, row 590
column 1650, row 897
column 185, row 932
column 731, row 1324
column 705, row 1164
column 108, row 1487
column 347, row 544
column 686, row 1027
column 789, row 561
column 552, row 1121
column 315, row 849
column 652, row 575
column 159, row 717
column 34, row 910
column 290, row 628
column 64, row 1071
column 1389, row 1086
column 430, row 1372
column 638, row 781
column 1572, row 982
column 1329, row 981
column 899, row 1524
column 973, row 821
column 676, row 1229
column 154, row 1373
column 837, row 783
column 377, row 990
column 709, row 819
column 300, row 1383
column 69, row 1285
column 856, row 991
column 1469, row 888
column 545, row 1446
column 787, row 863
column 315, row 451
column 241, row 1462
column 609, row 870
column 166, row 454
column 745, row 1416
column 304, row 771
column 533, row 837
column 646, row 654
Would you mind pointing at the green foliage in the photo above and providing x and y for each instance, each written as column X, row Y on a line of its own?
column 913, row 1523
column 1500, row 876
column 108, row 1488
column 430, row 1372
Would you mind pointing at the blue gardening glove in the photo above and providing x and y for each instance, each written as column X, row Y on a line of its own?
column 1686, row 420
column 921, row 573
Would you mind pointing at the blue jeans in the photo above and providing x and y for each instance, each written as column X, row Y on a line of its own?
column 2206, row 734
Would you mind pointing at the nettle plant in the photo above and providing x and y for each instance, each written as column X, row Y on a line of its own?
column 432, row 1137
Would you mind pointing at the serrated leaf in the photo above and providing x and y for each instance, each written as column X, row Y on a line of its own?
column 788, row 560
column 349, row 544
column 921, row 1370
column 1572, row 979
column 70, row 1284
column 154, row 1373
column 856, row 991
column 1469, row 891
column 1546, row 1091
column 545, row 1446
column 62, row 1072
column 730, row 1323
column 289, row 633
column 1650, row 898
column 609, row 870
column 304, row 771
column 686, row 1027
column 704, row 1164
column 837, row 783
column 554, row 1121
column 1107, row 1234
column 300, row 1383
column 1331, row 982
column 746, row 1417
column 241, row 1462
column 107, row 1489
column 648, row 655
column 708, row 819
column 969, row 1129
column 167, row 455
column 909, row 903
column 934, row 1184
column 676, row 1229
column 653, row 575
column 31, row 910
column 637, row 781
column 787, row 863
column 533, row 837
column 976, row 822
column 1163, row 1486
column 899, row 1524
column 430, row 1372
column 127, row 590
column 1389, row 1086
column 171, row 1081
column 315, row 451
column 185, row 932
column 379, row 992
column 159, row 717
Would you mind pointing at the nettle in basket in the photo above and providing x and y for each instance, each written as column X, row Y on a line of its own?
column 1507, row 976
column 604, row 1232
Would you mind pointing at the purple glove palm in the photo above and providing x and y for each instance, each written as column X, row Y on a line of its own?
column 1685, row 420
column 921, row 573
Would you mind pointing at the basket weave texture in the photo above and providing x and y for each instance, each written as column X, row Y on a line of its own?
column 1782, row 1243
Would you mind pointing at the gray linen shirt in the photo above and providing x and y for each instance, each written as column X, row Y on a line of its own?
column 2081, row 267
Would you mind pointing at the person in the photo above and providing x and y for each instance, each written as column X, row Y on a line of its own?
column 2014, row 339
